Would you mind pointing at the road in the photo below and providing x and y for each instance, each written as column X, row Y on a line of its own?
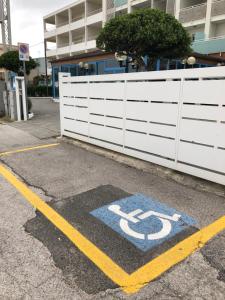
column 74, row 248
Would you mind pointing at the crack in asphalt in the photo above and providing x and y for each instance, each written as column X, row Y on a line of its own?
column 24, row 180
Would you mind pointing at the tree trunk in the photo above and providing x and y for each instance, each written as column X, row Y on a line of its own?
column 151, row 63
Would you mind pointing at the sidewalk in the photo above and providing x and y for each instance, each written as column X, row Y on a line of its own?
column 37, row 261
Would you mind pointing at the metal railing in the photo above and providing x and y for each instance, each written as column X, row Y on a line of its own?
column 63, row 45
column 218, row 8
column 62, row 24
column 92, row 37
column 193, row 13
column 94, row 12
column 78, row 18
column 78, row 40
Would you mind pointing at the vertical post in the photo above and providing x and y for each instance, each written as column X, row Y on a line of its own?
column 18, row 100
column 129, row 7
column 46, row 68
column 177, row 9
column 208, row 23
column 24, row 99
column 104, row 9
column 25, row 90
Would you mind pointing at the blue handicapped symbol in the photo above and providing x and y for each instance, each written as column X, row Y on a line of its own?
column 143, row 221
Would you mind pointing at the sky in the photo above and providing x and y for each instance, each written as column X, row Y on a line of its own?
column 27, row 21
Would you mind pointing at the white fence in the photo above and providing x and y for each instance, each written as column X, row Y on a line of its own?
column 171, row 118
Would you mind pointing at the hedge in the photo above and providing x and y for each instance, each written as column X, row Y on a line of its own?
column 39, row 91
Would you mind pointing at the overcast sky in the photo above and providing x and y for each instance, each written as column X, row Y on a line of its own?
column 27, row 24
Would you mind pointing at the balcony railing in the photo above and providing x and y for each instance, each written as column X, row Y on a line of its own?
column 78, row 18
column 78, row 40
column 92, row 37
column 50, row 29
column 63, row 45
column 62, row 24
column 193, row 13
column 218, row 8
column 94, row 12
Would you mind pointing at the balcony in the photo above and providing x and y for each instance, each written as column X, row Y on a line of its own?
column 218, row 8
column 63, row 49
column 193, row 13
column 78, row 45
column 51, row 52
column 77, row 22
column 94, row 16
column 91, row 45
column 50, row 33
column 211, row 45
column 49, row 27
column 62, row 19
column 78, row 40
column 94, row 12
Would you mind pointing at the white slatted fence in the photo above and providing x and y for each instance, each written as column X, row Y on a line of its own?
column 171, row 118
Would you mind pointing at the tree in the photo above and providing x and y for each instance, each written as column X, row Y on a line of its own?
column 10, row 61
column 146, row 32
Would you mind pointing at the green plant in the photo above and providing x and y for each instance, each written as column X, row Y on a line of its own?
column 10, row 61
column 39, row 91
column 38, row 80
column 146, row 32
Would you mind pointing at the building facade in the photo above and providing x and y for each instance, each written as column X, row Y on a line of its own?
column 71, row 32
column 73, row 29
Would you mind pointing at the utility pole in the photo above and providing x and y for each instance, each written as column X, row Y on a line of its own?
column 5, row 22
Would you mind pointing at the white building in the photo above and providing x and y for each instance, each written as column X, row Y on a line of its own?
column 73, row 29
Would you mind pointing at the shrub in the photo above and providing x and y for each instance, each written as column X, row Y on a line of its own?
column 39, row 91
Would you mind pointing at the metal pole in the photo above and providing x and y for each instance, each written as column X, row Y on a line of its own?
column 5, row 21
column 46, row 68
column 25, row 84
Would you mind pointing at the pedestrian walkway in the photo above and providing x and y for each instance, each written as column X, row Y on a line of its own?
column 45, row 123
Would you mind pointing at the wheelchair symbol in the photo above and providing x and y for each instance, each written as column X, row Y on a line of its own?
column 137, row 216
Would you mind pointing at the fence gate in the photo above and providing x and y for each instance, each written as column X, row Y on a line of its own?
column 172, row 118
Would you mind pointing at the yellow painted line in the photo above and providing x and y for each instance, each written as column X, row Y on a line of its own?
column 130, row 283
column 111, row 269
column 28, row 149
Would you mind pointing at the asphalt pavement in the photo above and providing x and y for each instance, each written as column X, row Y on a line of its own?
column 40, row 260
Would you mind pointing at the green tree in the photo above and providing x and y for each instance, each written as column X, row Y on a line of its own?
column 10, row 61
column 145, row 32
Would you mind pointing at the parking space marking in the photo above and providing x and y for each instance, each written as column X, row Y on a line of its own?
column 143, row 221
column 130, row 283
column 28, row 149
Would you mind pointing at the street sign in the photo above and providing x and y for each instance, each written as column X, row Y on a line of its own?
column 24, row 52
column 145, row 222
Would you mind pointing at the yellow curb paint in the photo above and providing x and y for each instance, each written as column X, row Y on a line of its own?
column 130, row 283
column 111, row 269
column 173, row 256
column 28, row 149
